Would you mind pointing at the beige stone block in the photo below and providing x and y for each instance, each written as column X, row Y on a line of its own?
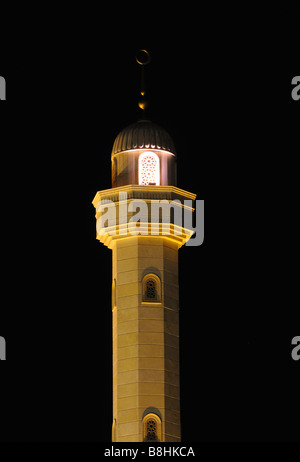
column 128, row 315
column 132, row 288
column 128, row 326
column 151, row 312
column 128, row 428
column 128, row 364
column 172, row 303
column 128, row 415
column 129, row 241
column 127, row 302
column 151, row 400
column 172, row 403
column 172, row 391
column 151, row 363
column 127, row 339
column 128, row 352
column 171, row 315
column 172, row 429
column 150, row 338
column 171, row 366
column 146, row 375
column 145, row 262
column 129, row 438
column 170, row 254
column 129, row 402
column 128, row 264
column 171, row 290
column 129, row 251
column 172, row 378
column 156, row 351
column 171, row 328
column 171, row 266
column 153, row 251
column 171, row 438
column 127, row 377
column 171, row 353
column 151, row 325
column 172, row 416
column 129, row 389
column 171, row 340
column 115, row 360
column 151, row 388
column 127, row 276
column 171, row 278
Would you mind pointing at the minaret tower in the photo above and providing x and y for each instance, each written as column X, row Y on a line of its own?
column 140, row 220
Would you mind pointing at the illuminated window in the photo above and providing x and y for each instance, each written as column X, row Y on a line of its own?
column 149, row 169
column 152, row 428
column 151, row 288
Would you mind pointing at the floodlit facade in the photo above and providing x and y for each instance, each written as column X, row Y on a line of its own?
column 145, row 291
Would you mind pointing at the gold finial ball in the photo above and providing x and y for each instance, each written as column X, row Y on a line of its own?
column 143, row 104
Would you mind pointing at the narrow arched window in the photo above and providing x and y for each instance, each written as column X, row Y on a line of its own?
column 151, row 288
column 149, row 169
column 152, row 428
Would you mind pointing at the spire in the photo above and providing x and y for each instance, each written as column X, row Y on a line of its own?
column 143, row 58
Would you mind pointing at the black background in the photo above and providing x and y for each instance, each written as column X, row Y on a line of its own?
column 220, row 83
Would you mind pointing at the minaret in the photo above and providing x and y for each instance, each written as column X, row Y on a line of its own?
column 144, row 235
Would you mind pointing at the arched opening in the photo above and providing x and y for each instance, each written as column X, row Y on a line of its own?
column 151, row 288
column 152, row 428
column 149, row 173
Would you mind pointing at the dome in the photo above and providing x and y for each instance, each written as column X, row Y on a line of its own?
column 143, row 135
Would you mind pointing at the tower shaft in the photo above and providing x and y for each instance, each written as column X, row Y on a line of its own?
column 145, row 338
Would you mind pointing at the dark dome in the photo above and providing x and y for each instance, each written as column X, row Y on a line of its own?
column 143, row 135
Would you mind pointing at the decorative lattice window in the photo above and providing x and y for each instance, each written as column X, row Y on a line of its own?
column 152, row 428
column 151, row 288
column 149, row 169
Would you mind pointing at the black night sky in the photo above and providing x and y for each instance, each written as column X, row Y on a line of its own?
column 222, row 89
